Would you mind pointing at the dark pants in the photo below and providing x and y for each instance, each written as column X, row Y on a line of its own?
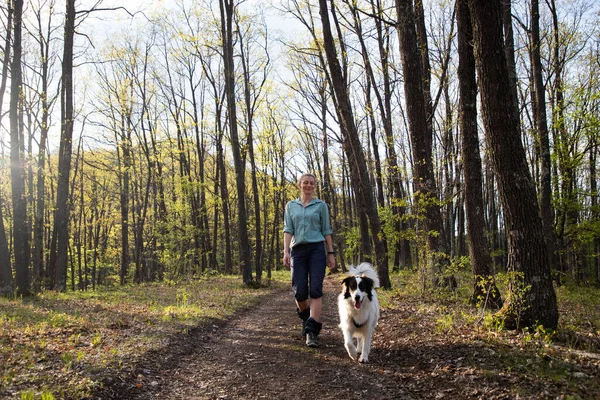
column 308, row 270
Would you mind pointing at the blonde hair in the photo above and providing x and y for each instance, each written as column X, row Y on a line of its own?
column 304, row 175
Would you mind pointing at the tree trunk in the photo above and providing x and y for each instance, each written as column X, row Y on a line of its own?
column 17, row 160
column 424, row 182
column 59, row 248
column 484, row 290
column 532, row 300
column 227, row 9
column 6, row 278
column 353, row 148
column 543, row 137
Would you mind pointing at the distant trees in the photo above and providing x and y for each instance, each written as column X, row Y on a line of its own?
column 191, row 135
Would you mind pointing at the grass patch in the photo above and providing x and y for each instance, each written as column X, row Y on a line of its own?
column 63, row 344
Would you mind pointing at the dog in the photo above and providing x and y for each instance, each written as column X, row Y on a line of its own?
column 359, row 310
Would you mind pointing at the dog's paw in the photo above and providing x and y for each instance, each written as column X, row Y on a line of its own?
column 363, row 359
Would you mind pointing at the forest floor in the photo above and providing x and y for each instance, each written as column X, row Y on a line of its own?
column 258, row 353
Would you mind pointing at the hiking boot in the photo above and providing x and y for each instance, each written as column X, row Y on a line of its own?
column 312, row 340
column 304, row 316
column 303, row 331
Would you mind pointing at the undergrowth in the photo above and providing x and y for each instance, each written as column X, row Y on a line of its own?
column 542, row 354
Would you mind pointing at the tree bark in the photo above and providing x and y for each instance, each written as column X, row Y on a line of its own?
column 227, row 9
column 17, row 161
column 59, row 248
column 532, row 300
column 484, row 290
column 541, row 124
column 6, row 278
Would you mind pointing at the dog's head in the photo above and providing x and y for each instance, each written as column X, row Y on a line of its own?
column 357, row 288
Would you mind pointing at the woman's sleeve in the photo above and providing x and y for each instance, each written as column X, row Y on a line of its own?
column 288, row 222
column 325, row 222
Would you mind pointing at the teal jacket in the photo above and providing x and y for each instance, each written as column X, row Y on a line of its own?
column 308, row 224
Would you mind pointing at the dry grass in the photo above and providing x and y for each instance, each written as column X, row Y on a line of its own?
column 68, row 344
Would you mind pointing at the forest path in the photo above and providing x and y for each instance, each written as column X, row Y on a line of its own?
column 259, row 354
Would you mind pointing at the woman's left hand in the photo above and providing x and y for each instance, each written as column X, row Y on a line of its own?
column 331, row 262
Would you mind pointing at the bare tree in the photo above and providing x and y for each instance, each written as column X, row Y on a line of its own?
column 17, row 159
column 58, row 251
column 6, row 278
column 227, row 11
column 541, row 123
column 255, row 70
column 421, row 140
column 353, row 148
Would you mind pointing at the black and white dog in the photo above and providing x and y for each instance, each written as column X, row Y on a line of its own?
column 359, row 310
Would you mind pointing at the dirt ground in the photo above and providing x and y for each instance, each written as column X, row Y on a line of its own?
column 259, row 354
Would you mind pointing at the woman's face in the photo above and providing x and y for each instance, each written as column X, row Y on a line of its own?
column 307, row 185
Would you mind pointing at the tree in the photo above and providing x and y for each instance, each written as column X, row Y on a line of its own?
column 255, row 71
column 60, row 234
column 484, row 290
column 41, row 88
column 227, row 10
column 532, row 300
column 353, row 148
column 6, row 278
column 421, row 140
column 543, row 136
column 17, row 159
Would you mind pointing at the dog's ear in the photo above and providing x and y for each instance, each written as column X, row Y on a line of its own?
column 367, row 285
column 346, row 287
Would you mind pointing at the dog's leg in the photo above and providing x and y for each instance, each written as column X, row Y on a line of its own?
column 366, row 346
column 359, row 344
column 349, row 344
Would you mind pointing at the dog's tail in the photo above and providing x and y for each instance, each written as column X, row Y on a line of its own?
column 364, row 269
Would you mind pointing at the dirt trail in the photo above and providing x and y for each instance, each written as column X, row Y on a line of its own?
column 260, row 355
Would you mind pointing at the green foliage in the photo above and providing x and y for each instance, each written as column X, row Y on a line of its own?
column 352, row 242
column 516, row 293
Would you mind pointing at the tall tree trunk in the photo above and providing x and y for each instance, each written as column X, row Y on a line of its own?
column 17, row 161
column 124, row 175
column 532, row 300
column 38, row 223
column 421, row 140
column 484, row 289
column 566, row 214
column 6, row 278
column 594, row 207
column 60, row 240
column 227, row 9
column 543, row 137
column 509, row 51
column 353, row 148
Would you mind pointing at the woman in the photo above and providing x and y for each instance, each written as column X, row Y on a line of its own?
column 308, row 248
